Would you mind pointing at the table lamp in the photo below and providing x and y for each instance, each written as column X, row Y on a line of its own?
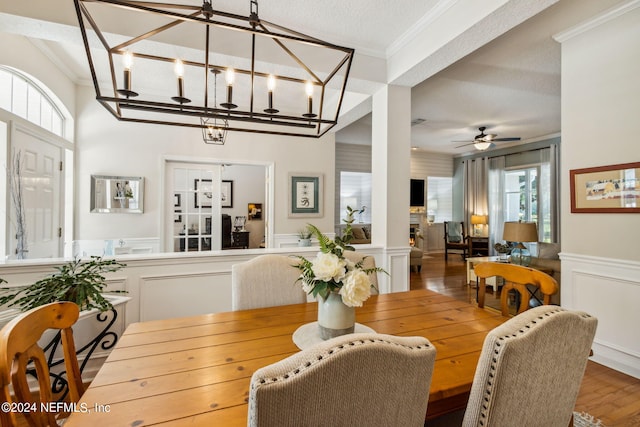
column 519, row 232
column 478, row 220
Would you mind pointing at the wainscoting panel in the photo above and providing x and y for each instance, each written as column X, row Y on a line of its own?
column 608, row 289
column 180, row 295
column 398, row 269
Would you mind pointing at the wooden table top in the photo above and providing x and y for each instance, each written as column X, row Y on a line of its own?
column 196, row 371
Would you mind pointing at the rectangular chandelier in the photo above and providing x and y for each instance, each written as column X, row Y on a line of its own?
column 160, row 63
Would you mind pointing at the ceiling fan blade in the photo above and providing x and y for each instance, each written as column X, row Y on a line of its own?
column 466, row 140
column 506, row 139
column 465, row 145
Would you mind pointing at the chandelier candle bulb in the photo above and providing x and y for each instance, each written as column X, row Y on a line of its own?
column 127, row 61
column 309, row 91
column 271, row 85
column 229, row 77
column 179, row 69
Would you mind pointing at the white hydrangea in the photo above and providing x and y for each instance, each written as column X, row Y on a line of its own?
column 327, row 267
column 356, row 288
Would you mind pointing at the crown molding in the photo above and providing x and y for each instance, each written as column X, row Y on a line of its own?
column 596, row 21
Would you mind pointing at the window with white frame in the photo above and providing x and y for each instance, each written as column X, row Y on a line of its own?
column 355, row 191
column 439, row 199
column 22, row 97
column 521, row 195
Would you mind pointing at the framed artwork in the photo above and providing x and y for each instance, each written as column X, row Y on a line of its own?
column 255, row 211
column 305, row 194
column 226, row 192
column 176, row 200
column 606, row 189
column 203, row 194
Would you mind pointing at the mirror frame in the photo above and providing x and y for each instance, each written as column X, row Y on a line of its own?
column 100, row 203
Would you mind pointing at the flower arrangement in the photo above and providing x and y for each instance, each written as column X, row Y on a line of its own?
column 330, row 271
column 502, row 248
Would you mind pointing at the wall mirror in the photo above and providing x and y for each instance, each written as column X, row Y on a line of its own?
column 117, row 194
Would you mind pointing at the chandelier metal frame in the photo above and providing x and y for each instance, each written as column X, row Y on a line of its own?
column 122, row 102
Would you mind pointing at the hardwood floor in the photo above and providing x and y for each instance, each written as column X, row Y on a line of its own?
column 606, row 394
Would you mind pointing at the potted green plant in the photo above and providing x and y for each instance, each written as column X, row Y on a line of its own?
column 78, row 281
column 304, row 236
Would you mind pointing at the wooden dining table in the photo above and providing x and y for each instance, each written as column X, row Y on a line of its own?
column 196, row 370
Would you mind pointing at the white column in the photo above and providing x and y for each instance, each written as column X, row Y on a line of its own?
column 391, row 150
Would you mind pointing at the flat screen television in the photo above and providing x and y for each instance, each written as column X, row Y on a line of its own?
column 417, row 193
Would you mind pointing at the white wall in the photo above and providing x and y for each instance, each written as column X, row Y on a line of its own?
column 106, row 146
column 18, row 52
column 600, row 126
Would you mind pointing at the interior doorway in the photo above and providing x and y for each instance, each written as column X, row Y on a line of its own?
column 211, row 205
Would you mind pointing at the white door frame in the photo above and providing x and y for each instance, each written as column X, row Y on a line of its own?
column 164, row 196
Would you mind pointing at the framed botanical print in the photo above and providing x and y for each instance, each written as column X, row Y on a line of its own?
column 305, row 194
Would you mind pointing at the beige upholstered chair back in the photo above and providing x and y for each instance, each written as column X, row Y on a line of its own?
column 369, row 262
column 353, row 380
column 530, row 369
column 266, row 281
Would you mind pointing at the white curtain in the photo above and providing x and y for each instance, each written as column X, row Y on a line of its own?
column 475, row 189
column 548, row 209
column 496, row 201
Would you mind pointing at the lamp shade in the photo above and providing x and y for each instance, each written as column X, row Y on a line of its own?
column 478, row 219
column 520, row 232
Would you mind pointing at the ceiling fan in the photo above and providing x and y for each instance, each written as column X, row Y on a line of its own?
column 484, row 141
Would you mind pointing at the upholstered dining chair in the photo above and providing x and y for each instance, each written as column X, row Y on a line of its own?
column 455, row 238
column 19, row 347
column 266, row 281
column 530, row 369
column 517, row 278
column 352, row 380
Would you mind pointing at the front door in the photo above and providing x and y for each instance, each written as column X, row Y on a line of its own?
column 40, row 195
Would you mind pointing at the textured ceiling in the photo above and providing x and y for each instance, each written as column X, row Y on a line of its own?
column 511, row 84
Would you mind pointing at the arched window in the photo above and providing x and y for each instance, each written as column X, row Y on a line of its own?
column 23, row 97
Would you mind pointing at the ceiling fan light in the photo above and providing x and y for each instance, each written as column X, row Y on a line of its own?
column 480, row 145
